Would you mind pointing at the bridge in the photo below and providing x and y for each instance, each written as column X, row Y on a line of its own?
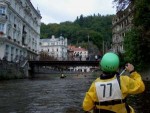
column 33, row 64
column 63, row 63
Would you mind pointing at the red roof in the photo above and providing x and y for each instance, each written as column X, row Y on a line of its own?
column 73, row 48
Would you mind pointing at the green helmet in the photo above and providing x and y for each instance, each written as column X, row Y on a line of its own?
column 109, row 62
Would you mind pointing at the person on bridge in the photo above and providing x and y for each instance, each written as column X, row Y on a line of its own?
column 108, row 93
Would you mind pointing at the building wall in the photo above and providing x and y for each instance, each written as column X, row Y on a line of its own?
column 56, row 47
column 20, row 27
column 122, row 22
column 81, row 55
column 77, row 53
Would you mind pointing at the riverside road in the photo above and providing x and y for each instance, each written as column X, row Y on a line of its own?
column 51, row 94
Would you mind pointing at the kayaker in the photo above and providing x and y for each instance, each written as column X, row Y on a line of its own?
column 108, row 93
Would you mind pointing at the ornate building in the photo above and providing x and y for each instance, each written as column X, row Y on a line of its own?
column 56, row 47
column 19, row 29
column 121, row 23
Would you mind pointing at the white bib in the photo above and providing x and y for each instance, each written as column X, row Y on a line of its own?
column 109, row 90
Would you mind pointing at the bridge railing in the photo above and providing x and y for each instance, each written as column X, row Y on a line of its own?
column 36, row 66
column 64, row 63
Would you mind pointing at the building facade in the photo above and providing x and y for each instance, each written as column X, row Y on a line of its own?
column 77, row 53
column 121, row 23
column 55, row 47
column 19, row 29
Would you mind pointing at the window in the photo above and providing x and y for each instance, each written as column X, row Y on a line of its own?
column 6, row 52
column 16, row 51
column 12, row 53
column 1, row 27
column 7, row 48
column 2, row 10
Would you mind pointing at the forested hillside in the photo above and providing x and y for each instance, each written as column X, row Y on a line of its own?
column 97, row 27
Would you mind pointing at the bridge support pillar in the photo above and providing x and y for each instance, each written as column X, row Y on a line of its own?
column 31, row 71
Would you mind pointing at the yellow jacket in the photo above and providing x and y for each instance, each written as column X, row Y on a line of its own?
column 132, row 84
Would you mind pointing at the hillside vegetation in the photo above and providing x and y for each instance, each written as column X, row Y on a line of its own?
column 96, row 27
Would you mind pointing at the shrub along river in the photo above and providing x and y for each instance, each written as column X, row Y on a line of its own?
column 51, row 94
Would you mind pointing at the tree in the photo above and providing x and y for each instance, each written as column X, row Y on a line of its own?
column 142, row 22
column 44, row 56
column 133, row 50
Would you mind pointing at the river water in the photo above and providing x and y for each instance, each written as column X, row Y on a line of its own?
column 51, row 94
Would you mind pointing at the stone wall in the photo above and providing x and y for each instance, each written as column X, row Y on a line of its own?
column 10, row 70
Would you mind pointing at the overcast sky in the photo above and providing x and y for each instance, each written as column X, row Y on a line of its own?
column 56, row 11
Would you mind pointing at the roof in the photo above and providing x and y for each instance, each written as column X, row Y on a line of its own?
column 73, row 48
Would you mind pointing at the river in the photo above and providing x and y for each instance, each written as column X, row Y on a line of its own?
column 51, row 94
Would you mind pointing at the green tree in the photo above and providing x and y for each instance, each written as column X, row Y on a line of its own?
column 142, row 22
column 133, row 50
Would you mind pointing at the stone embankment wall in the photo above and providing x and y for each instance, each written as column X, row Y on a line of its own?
column 10, row 70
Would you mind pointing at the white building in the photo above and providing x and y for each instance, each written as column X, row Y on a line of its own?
column 78, row 54
column 19, row 29
column 56, row 47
